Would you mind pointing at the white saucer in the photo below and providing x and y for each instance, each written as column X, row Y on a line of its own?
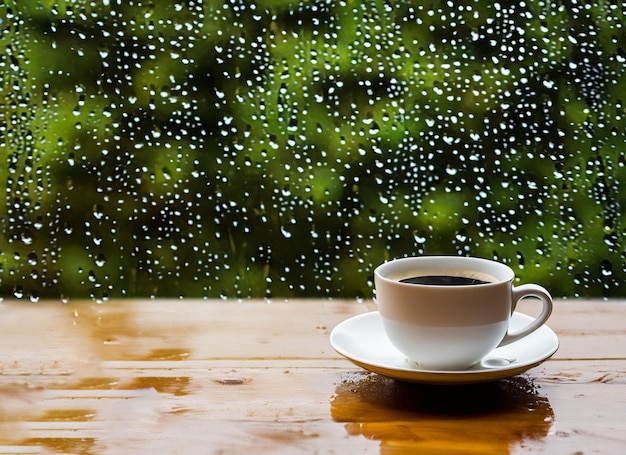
column 362, row 340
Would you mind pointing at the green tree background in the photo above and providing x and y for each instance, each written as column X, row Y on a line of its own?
column 285, row 148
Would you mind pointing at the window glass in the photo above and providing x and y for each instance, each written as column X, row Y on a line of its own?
column 278, row 148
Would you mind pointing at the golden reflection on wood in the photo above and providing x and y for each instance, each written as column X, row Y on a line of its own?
column 480, row 418
column 187, row 377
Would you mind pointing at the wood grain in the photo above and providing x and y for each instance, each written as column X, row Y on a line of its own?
column 192, row 377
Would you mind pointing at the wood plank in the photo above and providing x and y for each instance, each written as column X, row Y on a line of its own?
column 366, row 405
column 179, row 330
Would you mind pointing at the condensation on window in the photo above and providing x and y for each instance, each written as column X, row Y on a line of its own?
column 269, row 149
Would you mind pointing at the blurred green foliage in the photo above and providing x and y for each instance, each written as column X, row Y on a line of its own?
column 285, row 148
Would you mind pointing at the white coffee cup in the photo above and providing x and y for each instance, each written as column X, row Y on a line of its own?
column 451, row 327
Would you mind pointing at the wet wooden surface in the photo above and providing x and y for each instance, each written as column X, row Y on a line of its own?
column 198, row 377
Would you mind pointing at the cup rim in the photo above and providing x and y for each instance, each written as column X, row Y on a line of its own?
column 502, row 272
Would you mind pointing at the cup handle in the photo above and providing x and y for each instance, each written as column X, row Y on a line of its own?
column 519, row 293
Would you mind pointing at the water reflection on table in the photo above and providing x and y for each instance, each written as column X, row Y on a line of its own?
column 429, row 419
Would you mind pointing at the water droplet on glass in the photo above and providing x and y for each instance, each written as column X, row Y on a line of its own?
column 606, row 268
column 100, row 260
column 18, row 292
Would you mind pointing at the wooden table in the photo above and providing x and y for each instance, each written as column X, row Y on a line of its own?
column 221, row 377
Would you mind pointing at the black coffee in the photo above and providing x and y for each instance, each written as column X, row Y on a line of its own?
column 443, row 280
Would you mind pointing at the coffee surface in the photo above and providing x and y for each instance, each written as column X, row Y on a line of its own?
column 444, row 280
